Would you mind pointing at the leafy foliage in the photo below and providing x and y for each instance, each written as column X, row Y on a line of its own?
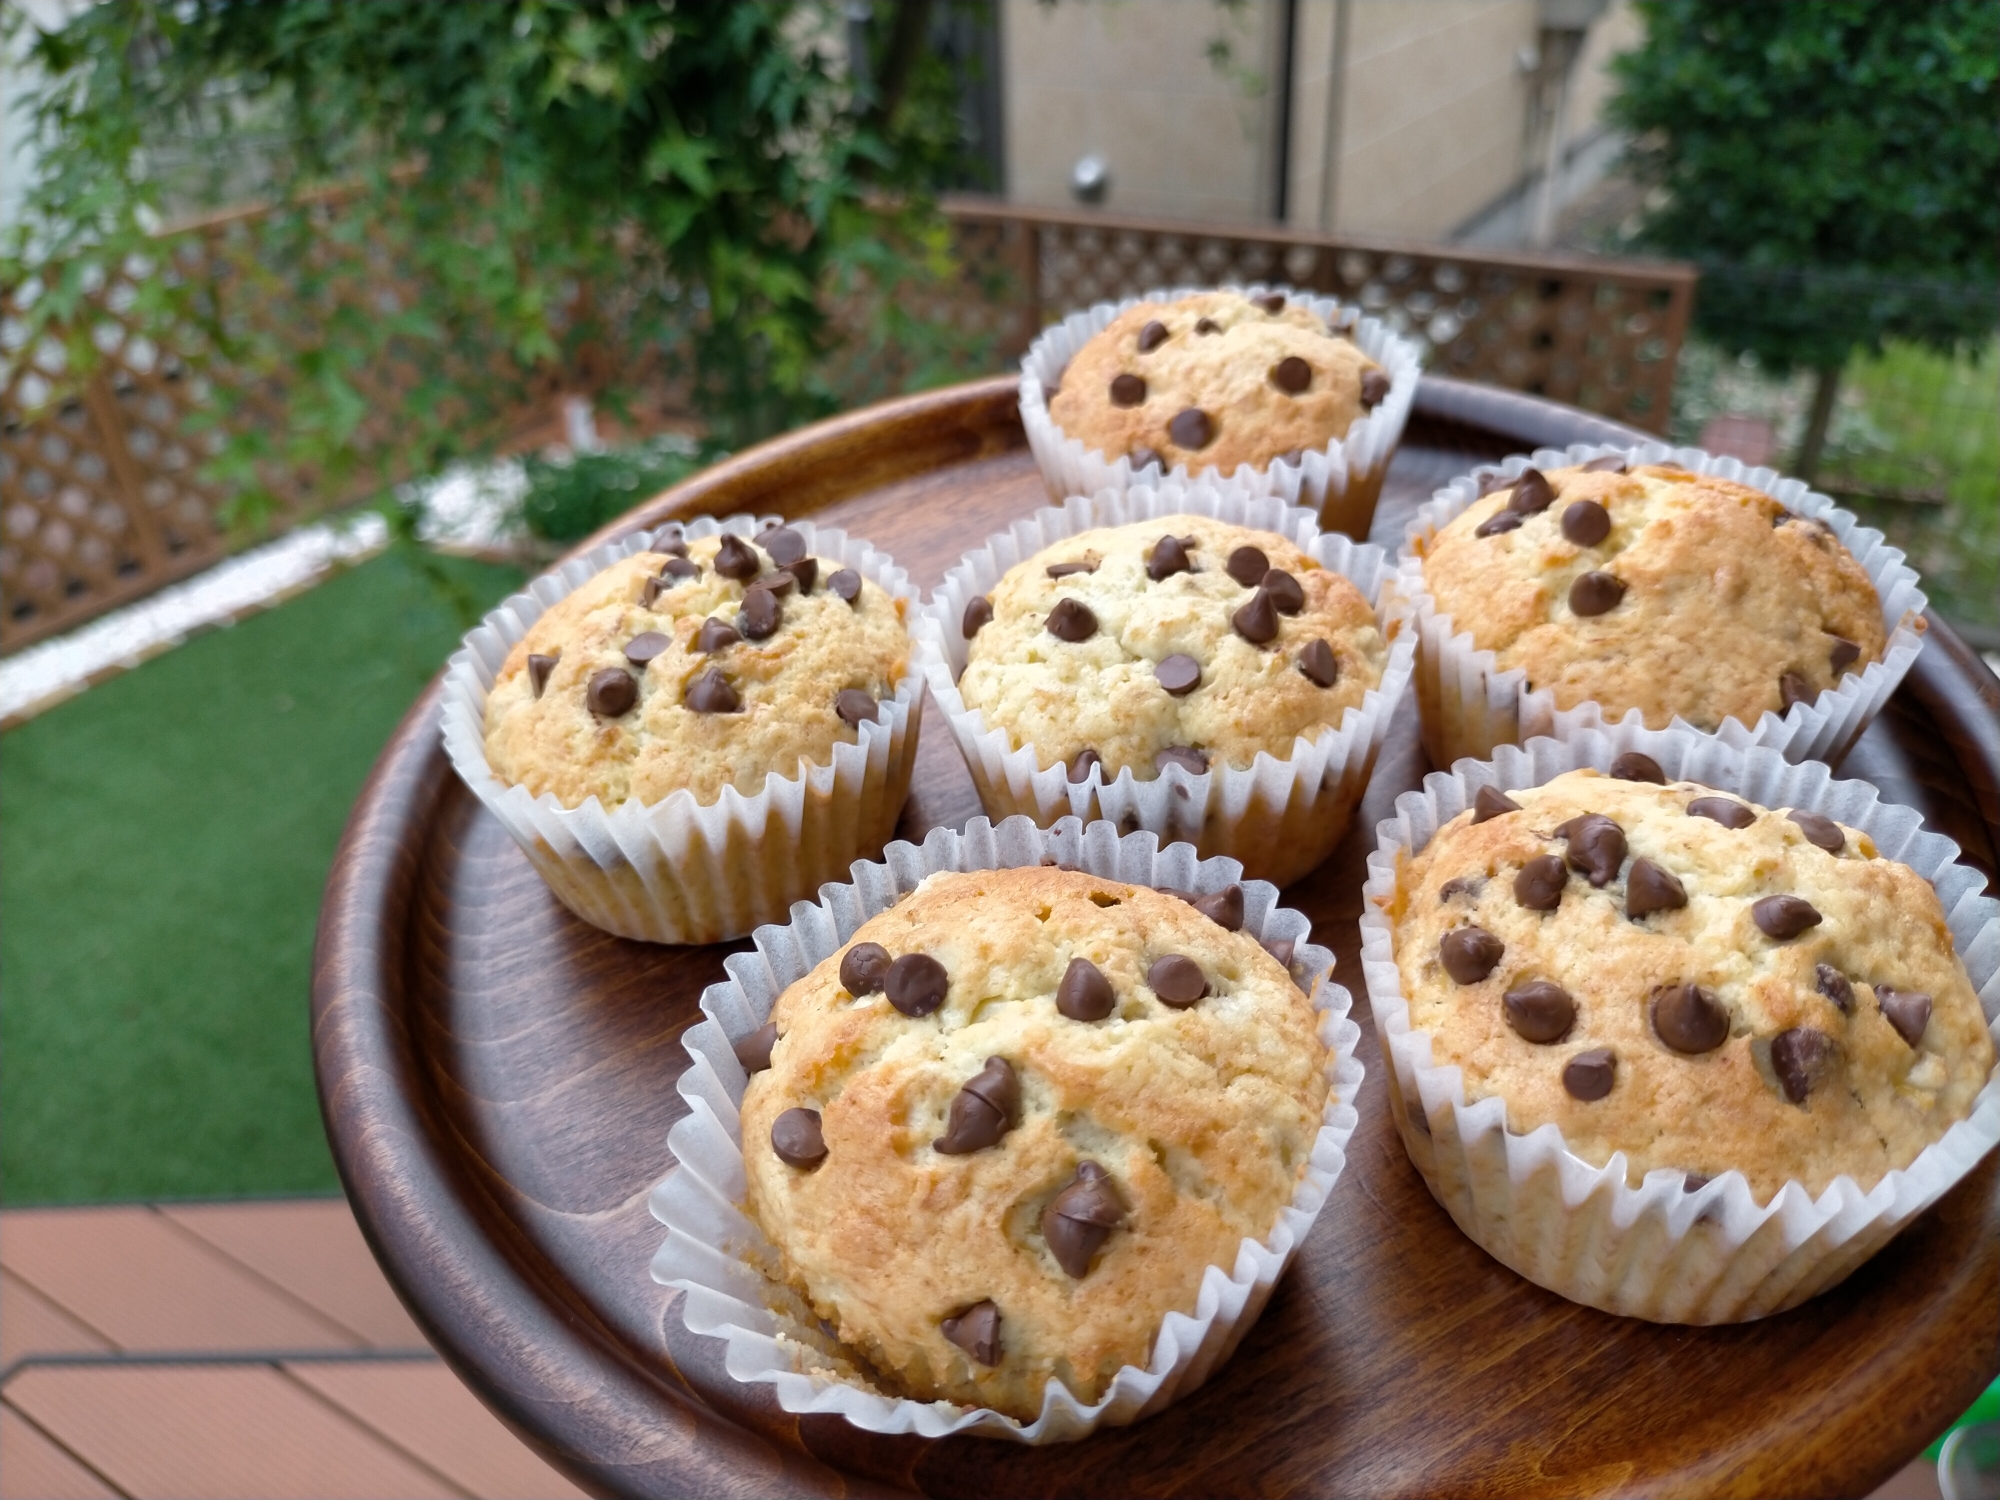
column 1832, row 166
column 662, row 192
column 570, row 498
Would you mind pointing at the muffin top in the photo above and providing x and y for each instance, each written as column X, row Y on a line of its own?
column 1213, row 381
column 1181, row 640
column 1005, row 1130
column 1699, row 982
column 1657, row 589
column 696, row 666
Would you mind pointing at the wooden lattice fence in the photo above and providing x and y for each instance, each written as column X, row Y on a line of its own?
column 107, row 489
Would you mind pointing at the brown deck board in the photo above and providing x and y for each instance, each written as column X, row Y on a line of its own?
column 425, row 1410
column 31, row 1324
column 146, row 1284
column 313, row 1250
column 211, row 1431
column 33, row 1468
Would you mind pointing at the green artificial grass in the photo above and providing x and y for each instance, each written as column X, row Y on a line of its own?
column 163, row 842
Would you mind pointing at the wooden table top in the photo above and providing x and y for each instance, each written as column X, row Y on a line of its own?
column 498, row 1082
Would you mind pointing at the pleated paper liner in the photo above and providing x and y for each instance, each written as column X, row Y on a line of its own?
column 679, row 871
column 1340, row 481
column 716, row 1257
column 1656, row 1251
column 1469, row 706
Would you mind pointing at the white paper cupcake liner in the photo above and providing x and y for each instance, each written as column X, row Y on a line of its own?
column 1278, row 817
column 679, row 871
column 1657, row 1251
column 1339, row 482
column 714, row 1254
column 1469, row 706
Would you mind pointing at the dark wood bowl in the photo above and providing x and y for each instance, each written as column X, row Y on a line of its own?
column 498, row 1082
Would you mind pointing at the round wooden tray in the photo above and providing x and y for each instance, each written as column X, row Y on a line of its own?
column 498, row 1082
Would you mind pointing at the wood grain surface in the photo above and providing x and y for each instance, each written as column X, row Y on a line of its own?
column 498, row 1079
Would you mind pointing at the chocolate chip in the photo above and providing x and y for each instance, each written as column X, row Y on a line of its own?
column 1533, row 493
column 916, row 984
column 1321, row 666
column 762, row 614
column 539, row 668
column 644, row 647
column 1291, row 374
column 711, row 693
column 1633, row 766
column 795, row 1136
column 1596, row 846
column 1152, row 336
column 785, row 545
column 854, row 707
column 779, row 583
column 1491, row 802
column 1179, row 674
column 976, row 1331
column 1469, row 954
column 1909, row 1011
column 1586, row 523
column 681, row 568
column 982, row 1111
column 1468, row 886
column 846, row 584
column 1490, row 481
column 671, row 546
column 1191, row 428
column 1823, row 832
column 1540, row 1011
column 1500, row 521
column 1611, row 463
column 715, row 635
column 1689, row 1019
column 1784, row 917
column 1142, row 457
column 1374, row 389
column 1223, row 907
column 1068, row 569
column 1127, row 390
column 1833, row 984
column 978, row 614
column 1167, row 558
column 806, row 570
column 1286, row 592
column 862, row 968
column 1084, row 994
column 1071, row 620
column 1247, row 565
column 754, row 1050
column 1272, row 302
column 649, row 593
column 1845, row 654
column 1187, row 757
column 1794, row 688
column 1177, row 980
column 1801, row 1058
column 1082, row 764
column 737, row 559
column 1595, row 593
column 612, row 692
column 1648, row 889
column 1589, row 1075
column 1081, row 1217
column 1539, row 886
column 1256, row 621
column 1728, row 813
column 1207, row 325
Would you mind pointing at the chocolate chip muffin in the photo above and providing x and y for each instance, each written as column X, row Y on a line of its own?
column 1701, row 983
column 697, row 666
column 1215, row 380
column 1183, row 641
column 1003, row 1132
column 1658, row 590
